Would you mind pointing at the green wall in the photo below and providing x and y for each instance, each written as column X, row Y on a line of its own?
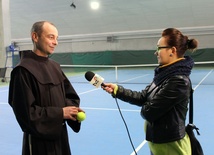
column 120, row 57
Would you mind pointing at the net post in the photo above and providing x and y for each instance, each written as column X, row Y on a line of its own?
column 116, row 76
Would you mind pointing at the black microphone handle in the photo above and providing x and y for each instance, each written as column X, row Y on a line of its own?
column 102, row 84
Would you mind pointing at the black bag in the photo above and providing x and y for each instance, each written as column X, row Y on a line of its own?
column 195, row 145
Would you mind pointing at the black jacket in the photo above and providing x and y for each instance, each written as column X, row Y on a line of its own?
column 164, row 107
column 164, row 103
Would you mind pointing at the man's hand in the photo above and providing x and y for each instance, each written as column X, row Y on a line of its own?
column 70, row 112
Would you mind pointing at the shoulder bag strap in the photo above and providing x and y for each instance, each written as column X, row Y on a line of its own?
column 191, row 110
column 191, row 107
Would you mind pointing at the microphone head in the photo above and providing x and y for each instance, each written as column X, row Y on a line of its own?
column 94, row 79
column 89, row 75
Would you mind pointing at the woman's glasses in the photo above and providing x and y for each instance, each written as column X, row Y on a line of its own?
column 160, row 47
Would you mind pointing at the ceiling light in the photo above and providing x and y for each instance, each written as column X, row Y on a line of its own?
column 95, row 5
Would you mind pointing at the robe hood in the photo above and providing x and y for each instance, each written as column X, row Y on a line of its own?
column 44, row 69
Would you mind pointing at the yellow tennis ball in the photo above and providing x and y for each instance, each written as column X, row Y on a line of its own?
column 81, row 116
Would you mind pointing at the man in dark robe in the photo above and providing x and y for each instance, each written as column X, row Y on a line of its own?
column 42, row 98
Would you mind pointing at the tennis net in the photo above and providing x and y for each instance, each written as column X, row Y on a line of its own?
column 135, row 74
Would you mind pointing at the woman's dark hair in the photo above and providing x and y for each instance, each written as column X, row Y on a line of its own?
column 182, row 43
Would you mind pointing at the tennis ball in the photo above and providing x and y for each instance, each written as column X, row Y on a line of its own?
column 81, row 116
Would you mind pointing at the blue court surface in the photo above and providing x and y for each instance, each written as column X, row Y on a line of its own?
column 104, row 132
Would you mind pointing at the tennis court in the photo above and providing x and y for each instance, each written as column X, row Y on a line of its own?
column 103, row 131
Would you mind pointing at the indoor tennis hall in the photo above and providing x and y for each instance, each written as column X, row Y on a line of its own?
column 116, row 40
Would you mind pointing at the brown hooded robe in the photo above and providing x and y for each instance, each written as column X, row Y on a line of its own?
column 37, row 93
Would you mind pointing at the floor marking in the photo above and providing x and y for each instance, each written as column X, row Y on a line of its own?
column 110, row 109
column 203, row 79
column 121, row 81
column 4, row 90
column 139, row 147
column 88, row 91
column 135, row 78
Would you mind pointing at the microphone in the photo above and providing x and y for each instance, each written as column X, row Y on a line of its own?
column 97, row 81
column 94, row 79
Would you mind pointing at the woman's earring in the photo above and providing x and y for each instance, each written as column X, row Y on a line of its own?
column 170, row 55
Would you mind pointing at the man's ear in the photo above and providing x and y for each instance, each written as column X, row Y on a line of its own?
column 34, row 36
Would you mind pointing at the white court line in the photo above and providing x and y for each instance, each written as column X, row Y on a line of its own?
column 139, row 147
column 135, row 78
column 121, row 81
column 4, row 90
column 88, row 91
column 109, row 109
column 203, row 79
column 3, row 103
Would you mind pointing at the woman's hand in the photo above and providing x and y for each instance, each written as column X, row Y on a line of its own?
column 109, row 87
